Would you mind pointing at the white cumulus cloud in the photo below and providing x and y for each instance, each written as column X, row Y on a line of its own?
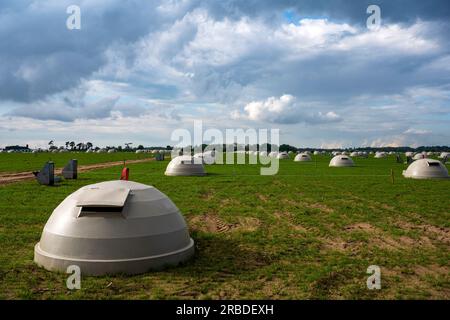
column 283, row 110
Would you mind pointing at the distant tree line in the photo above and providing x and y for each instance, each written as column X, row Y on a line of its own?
column 84, row 146
column 286, row 147
column 128, row 147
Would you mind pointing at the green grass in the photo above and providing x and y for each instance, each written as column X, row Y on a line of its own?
column 18, row 162
column 309, row 232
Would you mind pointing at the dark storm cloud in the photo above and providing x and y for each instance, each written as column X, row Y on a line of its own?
column 40, row 56
column 66, row 112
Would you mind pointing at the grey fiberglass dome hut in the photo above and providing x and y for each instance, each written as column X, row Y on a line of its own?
column 282, row 155
column 185, row 166
column 114, row 227
column 208, row 157
column 419, row 156
column 302, row 157
column 426, row 169
column 379, row 155
column 341, row 161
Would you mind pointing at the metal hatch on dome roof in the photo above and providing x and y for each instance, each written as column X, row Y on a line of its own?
column 103, row 197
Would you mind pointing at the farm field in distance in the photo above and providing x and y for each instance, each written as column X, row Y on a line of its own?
column 309, row 232
column 19, row 162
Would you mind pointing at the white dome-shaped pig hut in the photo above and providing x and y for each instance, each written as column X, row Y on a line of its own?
column 302, row 157
column 341, row 161
column 114, row 227
column 426, row 169
column 444, row 154
column 283, row 155
column 379, row 155
column 208, row 157
column 185, row 166
column 419, row 156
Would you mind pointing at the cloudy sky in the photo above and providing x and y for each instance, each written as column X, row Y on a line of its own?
column 137, row 70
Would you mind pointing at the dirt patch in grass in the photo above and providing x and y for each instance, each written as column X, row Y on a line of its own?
column 271, row 288
column 419, row 279
column 310, row 204
column 278, row 288
column 287, row 218
column 371, row 204
column 381, row 239
column 387, row 207
column 248, row 224
column 210, row 223
column 362, row 226
column 207, row 195
column 228, row 291
column 439, row 233
column 376, row 238
column 319, row 206
column 433, row 270
column 262, row 197
column 389, row 243
column 341, row 245
column 229, row 202
column 213, row 224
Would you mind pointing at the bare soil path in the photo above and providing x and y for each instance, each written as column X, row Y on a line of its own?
column 6, row 178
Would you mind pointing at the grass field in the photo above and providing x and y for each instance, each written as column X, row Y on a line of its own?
column 18, row 162
column 309, row 232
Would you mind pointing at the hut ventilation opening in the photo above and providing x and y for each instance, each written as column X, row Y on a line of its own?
column 102, row 202
column 433, row 164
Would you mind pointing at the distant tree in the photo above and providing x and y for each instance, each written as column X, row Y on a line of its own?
column 286, row 147
column 89, row 145
column 169, row 148
column 79, row 145
column 140, row 147
column 127, row 145
column 50, row 143
column 67, row 144
column 119, row 148
column 72, row 145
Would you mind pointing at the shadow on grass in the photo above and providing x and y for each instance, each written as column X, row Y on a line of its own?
column 213, row 174
column 217, row 256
